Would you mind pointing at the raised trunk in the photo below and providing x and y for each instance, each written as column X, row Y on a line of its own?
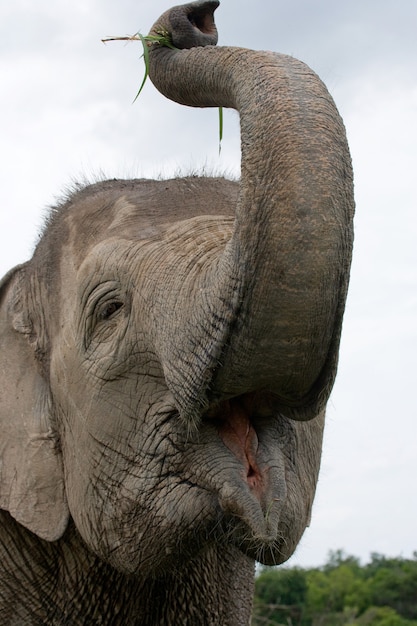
column 269, row 308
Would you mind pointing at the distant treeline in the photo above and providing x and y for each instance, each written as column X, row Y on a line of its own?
column 380, row 593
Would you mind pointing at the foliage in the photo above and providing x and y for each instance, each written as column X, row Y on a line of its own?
column 381, row 593
column 280, row 595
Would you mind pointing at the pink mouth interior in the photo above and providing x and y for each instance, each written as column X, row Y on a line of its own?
column 232, row 419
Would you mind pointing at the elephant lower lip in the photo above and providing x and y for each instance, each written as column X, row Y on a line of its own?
column 253, row 510
column 253, row 490
column 233, row 422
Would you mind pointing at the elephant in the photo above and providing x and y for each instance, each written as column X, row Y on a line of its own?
column 167, row 355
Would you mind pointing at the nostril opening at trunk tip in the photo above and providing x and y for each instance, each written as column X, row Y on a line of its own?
column 203, row 22
column 192, row 25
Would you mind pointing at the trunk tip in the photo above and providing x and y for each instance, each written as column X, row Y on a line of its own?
column 193, row 24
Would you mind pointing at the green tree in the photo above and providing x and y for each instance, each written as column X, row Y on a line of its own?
column 382, row 616
column 341, row 592
column 280, row 597
column 339, row 587
column 393, row 582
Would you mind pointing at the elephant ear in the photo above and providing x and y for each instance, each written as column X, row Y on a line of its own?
column 31, row 470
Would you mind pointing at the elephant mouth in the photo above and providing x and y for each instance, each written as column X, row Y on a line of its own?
column 234, row 422
column 253, row 491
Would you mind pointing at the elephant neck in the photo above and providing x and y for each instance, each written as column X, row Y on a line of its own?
column 62, row 582
column 215, row 588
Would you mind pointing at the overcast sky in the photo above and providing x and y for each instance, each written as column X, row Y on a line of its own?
column 67, row 113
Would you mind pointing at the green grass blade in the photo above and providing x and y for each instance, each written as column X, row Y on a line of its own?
column 220, row 128
column 145, row 51
column 146, row 59
column 142, row 86
column 164, row 39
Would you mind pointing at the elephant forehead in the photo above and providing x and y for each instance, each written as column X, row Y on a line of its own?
column 102, row 219
column 125, row 216
column 185, row 246
column 187, row 236
column 141, row 215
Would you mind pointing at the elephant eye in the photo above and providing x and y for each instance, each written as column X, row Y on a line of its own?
column 109, row 310
column 104, row 308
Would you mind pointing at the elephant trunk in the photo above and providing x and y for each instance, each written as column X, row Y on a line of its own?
column 269, row 308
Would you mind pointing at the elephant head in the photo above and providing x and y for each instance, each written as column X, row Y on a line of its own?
column 168, row 352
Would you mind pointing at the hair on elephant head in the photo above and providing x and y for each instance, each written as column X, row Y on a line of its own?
column 167, row 355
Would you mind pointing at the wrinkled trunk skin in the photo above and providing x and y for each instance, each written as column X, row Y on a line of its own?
column 267, row 313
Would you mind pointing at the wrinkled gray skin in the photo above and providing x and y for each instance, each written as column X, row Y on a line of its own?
column 166, row 358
